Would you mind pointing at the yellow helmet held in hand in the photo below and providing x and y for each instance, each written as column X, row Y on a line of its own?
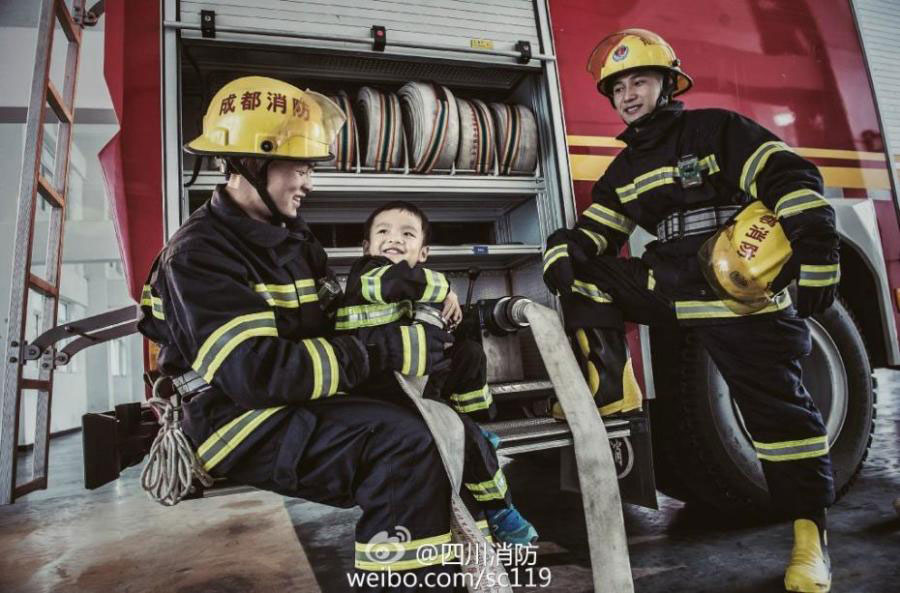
column 261, row 117
column 743, row 258
column 634, row 49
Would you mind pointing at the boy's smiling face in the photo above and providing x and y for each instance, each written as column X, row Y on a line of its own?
column 397, row 235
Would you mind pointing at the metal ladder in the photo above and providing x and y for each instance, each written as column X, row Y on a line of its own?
column 53, row 191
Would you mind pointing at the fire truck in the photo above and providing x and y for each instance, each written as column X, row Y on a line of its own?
column 798, row 68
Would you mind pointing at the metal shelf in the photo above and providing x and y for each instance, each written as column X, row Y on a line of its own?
column 393, row 183
column 443, row 257
column 534, row 434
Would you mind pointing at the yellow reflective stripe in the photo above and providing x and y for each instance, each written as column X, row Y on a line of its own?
column 153, row 302
column 420, row 334
column 298, row 293
column 371, row 315
column 756, row 162
column 651, row 280
column 436, row 287
column 493, row 489
column 227, row 337
column 553, row 254
column 407, row 356
column 718, row 309
column 597, row 238
column 645, row 182
column 223, row 441
column 709, row 163
column 610, row 218
column 792, row 450
column 414, row 349
column 813, row 275
column 371, row 284
column 472, row 401
column 402, row 555
column 798, row 201
column 590, row 291
column 325, row 368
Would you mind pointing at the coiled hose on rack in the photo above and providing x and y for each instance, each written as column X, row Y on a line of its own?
column 344, row 147
column 476, row 137
column 431, row 123
column 517, row 139
column 381, row 129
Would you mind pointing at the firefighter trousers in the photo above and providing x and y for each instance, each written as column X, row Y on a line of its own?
column 757, row 355
column 374, row 454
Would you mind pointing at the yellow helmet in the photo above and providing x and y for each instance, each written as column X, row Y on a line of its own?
column 634, row 49
column 743, row 258
column 261, row 117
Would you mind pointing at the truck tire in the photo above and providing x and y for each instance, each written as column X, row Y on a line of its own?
column 702, row 451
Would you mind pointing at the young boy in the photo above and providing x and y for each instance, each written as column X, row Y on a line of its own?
column 389, row 285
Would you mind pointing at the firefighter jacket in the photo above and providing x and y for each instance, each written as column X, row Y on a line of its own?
column 738, row 161
column 380, row 292
column 235, row 301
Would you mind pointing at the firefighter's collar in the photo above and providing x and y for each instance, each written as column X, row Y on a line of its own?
column 257, row 232
column 646, row 131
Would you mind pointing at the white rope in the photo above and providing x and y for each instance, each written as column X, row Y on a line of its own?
column 431, row 123
column 171, row 464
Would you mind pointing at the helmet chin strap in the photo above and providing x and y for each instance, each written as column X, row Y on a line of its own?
column 259, row 183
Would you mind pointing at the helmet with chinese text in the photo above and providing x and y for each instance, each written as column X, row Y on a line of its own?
column 635, row 49
column 743, row 258
column 262, row 117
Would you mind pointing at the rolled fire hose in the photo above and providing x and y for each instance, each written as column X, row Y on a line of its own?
column 380, row 129
column 477, row 140
column 517, row 139
column 344, row 147
column 479, row 558
column 431, row 123
column 597, row 477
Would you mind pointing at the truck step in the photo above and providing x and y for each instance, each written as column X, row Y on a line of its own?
column 521, row 390
column 535, row 434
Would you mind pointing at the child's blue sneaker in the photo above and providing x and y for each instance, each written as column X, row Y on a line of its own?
column 508, row 525
column 493, row 437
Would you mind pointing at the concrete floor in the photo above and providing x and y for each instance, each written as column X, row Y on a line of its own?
column 113, row 539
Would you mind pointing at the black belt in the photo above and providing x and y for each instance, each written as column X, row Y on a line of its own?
column 684, row 223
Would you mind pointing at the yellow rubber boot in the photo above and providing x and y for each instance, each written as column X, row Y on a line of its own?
column 810, row 567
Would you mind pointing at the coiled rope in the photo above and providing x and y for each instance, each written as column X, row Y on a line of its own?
column 171, row 464
column 431, row 123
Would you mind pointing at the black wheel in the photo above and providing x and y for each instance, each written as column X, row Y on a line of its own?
column 702, row 450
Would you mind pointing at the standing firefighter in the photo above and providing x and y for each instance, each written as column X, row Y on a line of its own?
column 234, row 302
column 737, row 216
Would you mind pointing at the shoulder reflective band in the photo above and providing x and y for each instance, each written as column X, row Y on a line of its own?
column 399, row 555
column 326, row 373
column 225, row 440
column 371, row 284
column 472, row 401
column 755, row 164
column 493, row 489
column 289, row 296
column 610, row 218
column 798, row 201
column 436, row 287
column 360, row 316
column 414, row 350
column 718, row 309
column 827, row 275
column 591, row 291
column 153, row 302
column 792, row 450
column 597, row 238
column 227, row 337
column 553, row 254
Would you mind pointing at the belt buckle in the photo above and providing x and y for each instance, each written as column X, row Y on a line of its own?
column 680, row 233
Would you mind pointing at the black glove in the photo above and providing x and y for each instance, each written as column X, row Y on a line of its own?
column 416, row 349
column 562, row 246
column 817, row 283
column 353, row 359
